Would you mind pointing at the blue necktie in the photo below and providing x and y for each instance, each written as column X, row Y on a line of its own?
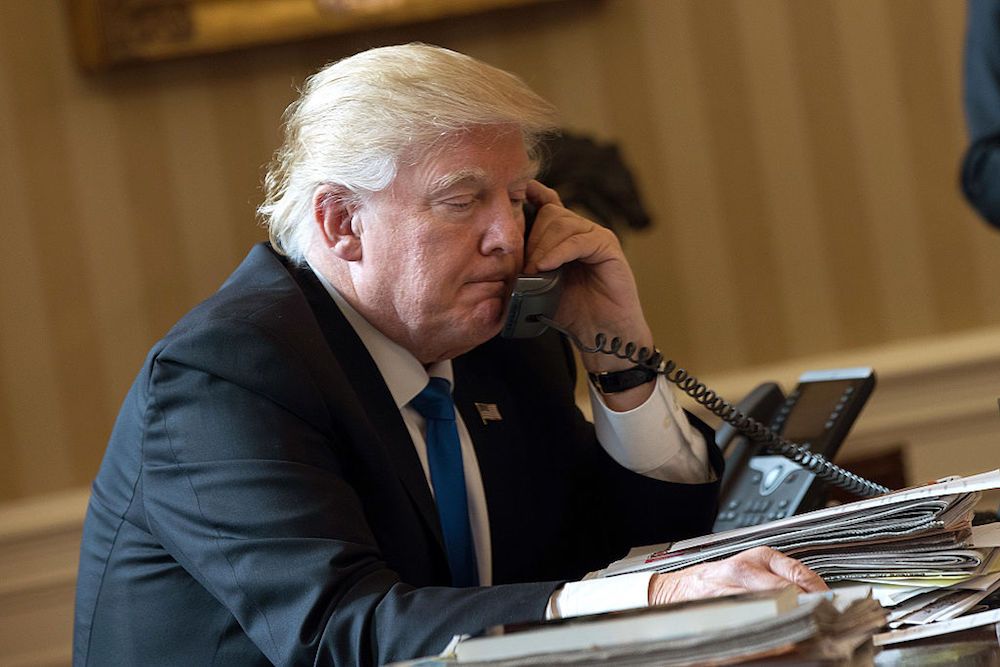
column 444, row 457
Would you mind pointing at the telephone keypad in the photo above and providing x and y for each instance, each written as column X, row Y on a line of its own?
column 775, row 485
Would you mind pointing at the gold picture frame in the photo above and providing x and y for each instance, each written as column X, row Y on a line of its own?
column 109, row 33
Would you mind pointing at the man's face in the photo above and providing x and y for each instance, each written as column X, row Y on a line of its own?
column 441, row 246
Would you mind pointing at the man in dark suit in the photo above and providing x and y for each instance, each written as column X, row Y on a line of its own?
column 287, row 481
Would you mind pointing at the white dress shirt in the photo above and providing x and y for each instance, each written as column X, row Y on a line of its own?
column 654, row 439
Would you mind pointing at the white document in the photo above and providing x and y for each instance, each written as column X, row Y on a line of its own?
column 941, row 628
column 951, row 605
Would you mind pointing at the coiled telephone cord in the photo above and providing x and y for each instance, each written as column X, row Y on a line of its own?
column 729, row 413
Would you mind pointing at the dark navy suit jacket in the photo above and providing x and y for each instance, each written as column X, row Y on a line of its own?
column 261, row 501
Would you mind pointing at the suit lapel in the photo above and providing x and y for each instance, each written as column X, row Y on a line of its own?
column 374, row 401
column 478, row 393
column 499, row 446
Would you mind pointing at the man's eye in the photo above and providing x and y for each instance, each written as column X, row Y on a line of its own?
column 517, row 201
column 460, row 204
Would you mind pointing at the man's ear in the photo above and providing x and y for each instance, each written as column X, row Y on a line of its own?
column 334, row 210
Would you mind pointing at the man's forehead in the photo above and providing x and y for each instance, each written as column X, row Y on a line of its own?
column 491, row 156
column 477, row 176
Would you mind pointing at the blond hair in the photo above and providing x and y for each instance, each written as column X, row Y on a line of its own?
column 358, row 117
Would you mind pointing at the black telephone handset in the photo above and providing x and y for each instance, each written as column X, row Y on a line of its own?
column 533, row 296
column 785, row 443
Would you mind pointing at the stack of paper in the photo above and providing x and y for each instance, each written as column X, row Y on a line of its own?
column 916, row 547
column 624, row 628
column 940, row 604
column 772, row 625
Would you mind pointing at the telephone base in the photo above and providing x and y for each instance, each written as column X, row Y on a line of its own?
column 769, row 488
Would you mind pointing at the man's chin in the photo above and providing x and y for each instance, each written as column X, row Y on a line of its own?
column 490, row 315
column 467, row 329
column 479, row 326
column 457, row 344
column 482, row 330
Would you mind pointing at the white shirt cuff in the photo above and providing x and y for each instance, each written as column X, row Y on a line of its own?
column 654, row 439
column 596, row 596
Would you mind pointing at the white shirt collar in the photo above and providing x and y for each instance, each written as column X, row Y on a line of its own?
column 403, row 373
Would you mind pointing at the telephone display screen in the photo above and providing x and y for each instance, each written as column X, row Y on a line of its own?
column 807, row 420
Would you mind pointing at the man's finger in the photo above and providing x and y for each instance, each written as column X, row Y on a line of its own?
column 540, row 195
column 763, row 580
column 559, row 236
column 796, row 572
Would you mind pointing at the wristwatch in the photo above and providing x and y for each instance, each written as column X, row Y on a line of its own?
column 612, row 382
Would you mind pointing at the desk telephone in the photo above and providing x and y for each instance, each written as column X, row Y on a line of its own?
column 768, row 475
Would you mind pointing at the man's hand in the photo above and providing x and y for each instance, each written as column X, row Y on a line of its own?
column 600, row 293
column 761, row 568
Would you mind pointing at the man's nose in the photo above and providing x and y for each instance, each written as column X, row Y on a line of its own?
column 505, row 232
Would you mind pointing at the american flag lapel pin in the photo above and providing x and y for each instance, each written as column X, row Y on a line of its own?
column 489, row 412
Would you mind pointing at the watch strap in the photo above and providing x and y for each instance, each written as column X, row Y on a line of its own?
column 613, row 382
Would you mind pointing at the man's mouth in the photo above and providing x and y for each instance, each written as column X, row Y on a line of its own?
column 500, row 286
column 494, row 279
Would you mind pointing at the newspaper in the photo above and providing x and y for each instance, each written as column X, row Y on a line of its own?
column 917, row 532
column 917, row 548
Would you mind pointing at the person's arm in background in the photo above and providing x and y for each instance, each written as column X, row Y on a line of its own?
column 980, row 173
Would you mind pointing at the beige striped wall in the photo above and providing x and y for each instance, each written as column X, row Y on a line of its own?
column 799, row 157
